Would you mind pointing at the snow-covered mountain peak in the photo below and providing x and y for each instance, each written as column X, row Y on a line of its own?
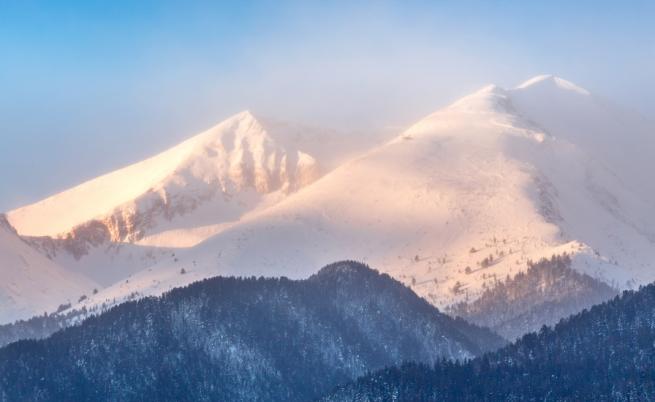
column 540, row 89
column 232, row 132
column 245, row 115
column 551, row 82
column 490, row 103
column 464, row 197
column 229, row 160
column 243, row 125
column 489, row 98
column 117, row 224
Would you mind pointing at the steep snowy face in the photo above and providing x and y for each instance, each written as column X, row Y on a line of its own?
column 219, row 173
column 621, row 140
column 463, row 198
column 32, row 284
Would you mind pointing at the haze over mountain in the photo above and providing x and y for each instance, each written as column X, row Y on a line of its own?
column 125, row 221
column 464, row 197
column 192, row 193
column 229, row 167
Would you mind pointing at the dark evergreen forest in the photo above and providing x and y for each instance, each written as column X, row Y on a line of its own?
column 543, row 294
column 606, row 353
column 240, row 339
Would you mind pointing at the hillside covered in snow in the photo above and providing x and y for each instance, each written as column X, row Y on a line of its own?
column 120, row 223
column 216, row 175
column 31, row 283
column 462, row 199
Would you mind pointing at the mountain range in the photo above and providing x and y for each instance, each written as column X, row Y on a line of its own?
column 461, row 200
column 194, row 274
column 237, row 339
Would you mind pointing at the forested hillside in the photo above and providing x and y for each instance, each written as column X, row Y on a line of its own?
column 235, row 339
column 604, row 354
column 546, row 292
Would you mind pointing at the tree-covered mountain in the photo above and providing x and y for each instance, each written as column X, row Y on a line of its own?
column 541, row 295
column 602, row 354
column 236, row 339
column 42, row 326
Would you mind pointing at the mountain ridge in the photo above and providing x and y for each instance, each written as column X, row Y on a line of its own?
column 603, row 353
column 481, row 174
column 494, row 180
column 240, row 339
column 249, row 159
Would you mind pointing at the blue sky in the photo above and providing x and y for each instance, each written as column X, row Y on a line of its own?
column 89, row 86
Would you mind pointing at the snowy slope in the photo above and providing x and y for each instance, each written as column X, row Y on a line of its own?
column 113, row 226
column 503, row 175
column 622, row 141
column 32, row 284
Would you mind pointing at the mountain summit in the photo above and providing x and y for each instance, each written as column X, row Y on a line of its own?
column 551, row 81
column 225, row 166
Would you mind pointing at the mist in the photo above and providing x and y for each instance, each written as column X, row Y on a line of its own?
column 88, row 88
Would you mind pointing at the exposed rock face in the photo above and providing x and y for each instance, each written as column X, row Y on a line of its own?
column 77, row 242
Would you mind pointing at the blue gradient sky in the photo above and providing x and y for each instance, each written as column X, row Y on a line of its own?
column 89, row 86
